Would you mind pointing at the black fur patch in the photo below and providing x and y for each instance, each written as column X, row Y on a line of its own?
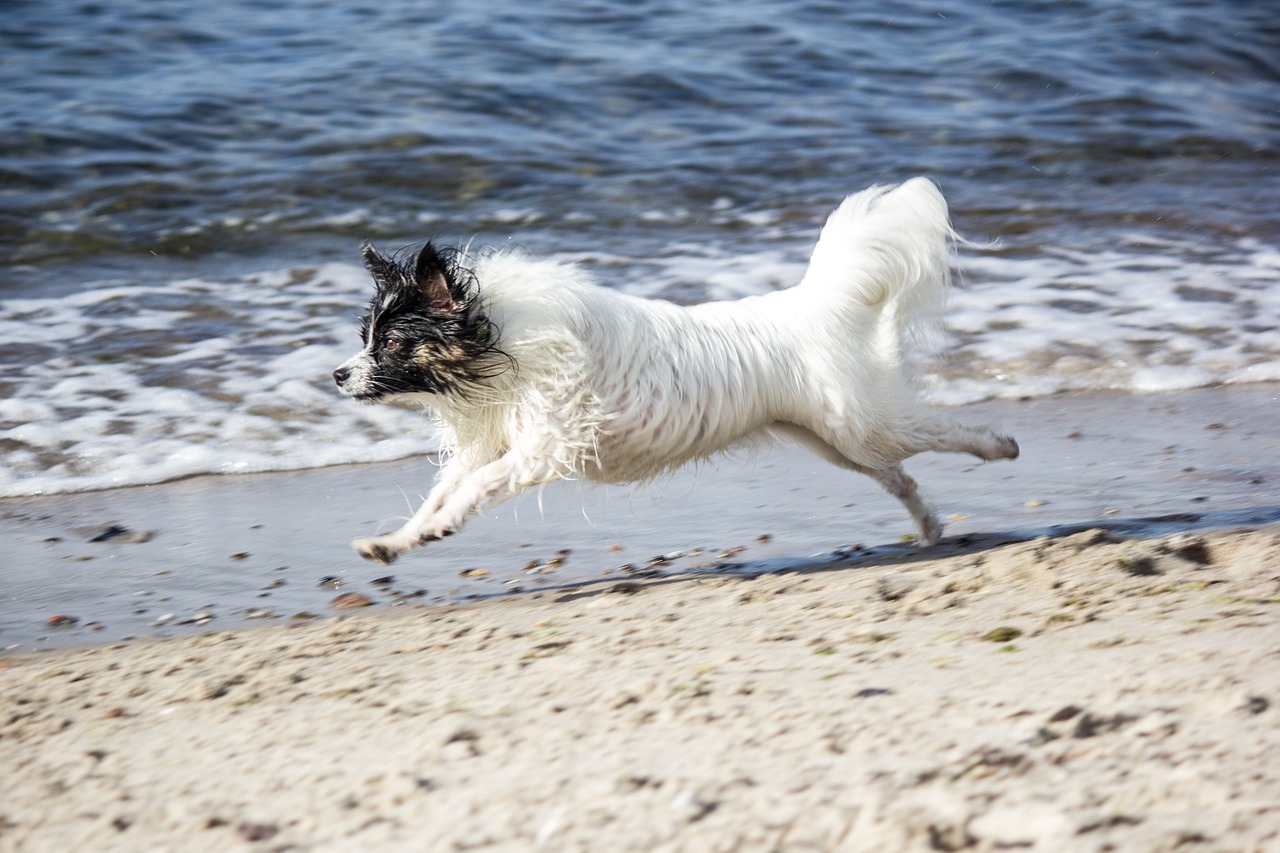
column 427, row 329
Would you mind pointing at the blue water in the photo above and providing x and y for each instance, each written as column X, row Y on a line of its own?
column 183, row 188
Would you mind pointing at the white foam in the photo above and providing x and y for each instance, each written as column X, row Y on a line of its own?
column 254, row 396
column 123, row 384
column 1123, row 318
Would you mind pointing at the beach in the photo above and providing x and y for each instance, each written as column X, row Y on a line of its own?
column 1084, row 692
column 1095, row 671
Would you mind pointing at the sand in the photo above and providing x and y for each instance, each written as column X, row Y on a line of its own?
column 1085, row 692
column 1112, row 685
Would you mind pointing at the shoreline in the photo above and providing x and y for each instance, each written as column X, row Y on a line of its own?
column 212, row 553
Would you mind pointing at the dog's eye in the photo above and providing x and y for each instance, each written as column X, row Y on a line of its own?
column 390, row 344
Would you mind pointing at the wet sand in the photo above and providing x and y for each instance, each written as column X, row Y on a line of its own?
column 219, row 552
column 1091, row 661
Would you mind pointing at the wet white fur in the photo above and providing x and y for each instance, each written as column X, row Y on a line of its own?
column 615, row 388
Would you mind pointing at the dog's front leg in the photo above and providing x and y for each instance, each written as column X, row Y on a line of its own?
column 384, row 549
column 448, row 508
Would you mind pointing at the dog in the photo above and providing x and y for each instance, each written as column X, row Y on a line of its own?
column 537, row 374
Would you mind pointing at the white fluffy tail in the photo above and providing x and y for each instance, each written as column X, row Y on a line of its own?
column 889, row 249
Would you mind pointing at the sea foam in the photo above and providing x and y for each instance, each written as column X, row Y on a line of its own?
column 124, row 384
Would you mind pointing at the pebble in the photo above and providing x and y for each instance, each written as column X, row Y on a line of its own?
column 692, row 806
column 650, row 570
column 351, row 600
column 256, row 831
column 895, row 586
column 61, row 621
column 1003, row 634
column 1192, row 548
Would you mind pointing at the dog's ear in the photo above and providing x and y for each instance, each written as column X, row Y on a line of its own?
column 430, row 272
column 382, row 270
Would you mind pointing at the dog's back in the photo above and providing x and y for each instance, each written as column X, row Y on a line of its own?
column 636, row 387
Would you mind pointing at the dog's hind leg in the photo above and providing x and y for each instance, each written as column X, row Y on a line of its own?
column 897, row 483
column 947, row 436
column 893, row 479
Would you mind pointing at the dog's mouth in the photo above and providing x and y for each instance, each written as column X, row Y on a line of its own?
column 361, row 395
column 365, row 396
column 370, row 397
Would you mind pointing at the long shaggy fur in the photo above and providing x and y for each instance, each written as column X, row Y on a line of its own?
column 537, row 374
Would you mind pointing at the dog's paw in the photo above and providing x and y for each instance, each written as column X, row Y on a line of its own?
column 1008, row 447
column 425, row 538
column 372, row 549
column 930, row 532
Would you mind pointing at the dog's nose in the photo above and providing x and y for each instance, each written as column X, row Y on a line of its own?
column 341, row 375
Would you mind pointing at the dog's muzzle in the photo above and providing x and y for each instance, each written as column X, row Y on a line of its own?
column 351, row 377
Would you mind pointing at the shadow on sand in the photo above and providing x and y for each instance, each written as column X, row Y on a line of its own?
column 901, row 554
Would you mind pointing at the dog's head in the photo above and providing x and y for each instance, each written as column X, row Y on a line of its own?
column 426, row 331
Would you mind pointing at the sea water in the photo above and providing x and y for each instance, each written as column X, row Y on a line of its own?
column 184, row 189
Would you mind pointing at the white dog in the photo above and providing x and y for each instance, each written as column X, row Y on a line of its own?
column 537, row 374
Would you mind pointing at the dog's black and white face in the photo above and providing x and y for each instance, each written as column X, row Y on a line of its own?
column 426, row 331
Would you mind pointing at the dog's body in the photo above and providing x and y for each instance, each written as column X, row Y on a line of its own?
column 539, row 375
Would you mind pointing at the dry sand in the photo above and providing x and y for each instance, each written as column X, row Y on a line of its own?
column 1083, row 692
